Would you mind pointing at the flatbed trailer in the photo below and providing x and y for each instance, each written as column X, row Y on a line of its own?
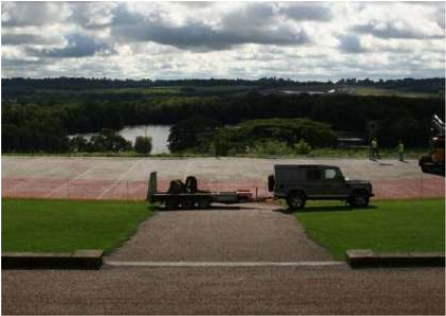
column 189, row 197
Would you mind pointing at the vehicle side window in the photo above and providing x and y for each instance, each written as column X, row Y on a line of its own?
column 331, row 174
column 314, row 174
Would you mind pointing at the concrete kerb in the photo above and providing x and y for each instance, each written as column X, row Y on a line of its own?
column 366, row 258
column 86, row 259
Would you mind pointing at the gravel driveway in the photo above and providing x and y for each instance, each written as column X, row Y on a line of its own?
column 245, row 232
column 332, row 290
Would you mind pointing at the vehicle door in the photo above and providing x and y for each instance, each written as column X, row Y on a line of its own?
column 313, row 184
column 334, row 183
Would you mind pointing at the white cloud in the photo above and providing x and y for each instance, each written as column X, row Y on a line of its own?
column 16, row 14
column 298, row 40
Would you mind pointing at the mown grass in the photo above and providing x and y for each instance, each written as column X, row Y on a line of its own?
column 166, row 91
column 65, row 226
column 161, row 90
column 385, row 226
column 412, row 153
column 170, row 90
column 315, row 153
column 364, row 91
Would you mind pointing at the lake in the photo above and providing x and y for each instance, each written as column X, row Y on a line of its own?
column 159, row 134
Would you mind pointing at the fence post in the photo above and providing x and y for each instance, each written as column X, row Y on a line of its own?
column 127, row 190
column 422, row 187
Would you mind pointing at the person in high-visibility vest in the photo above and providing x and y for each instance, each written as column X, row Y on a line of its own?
column 400, row 149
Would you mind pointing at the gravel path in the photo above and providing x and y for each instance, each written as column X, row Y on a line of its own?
column 284, row 290
column 247, row 232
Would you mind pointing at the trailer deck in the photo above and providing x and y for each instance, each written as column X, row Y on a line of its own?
column 188, row 196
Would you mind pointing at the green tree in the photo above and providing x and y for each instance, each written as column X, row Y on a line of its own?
column 286, row 131
column 78, row 144
column 192, row 133
column 109, row 140
column 143, row 145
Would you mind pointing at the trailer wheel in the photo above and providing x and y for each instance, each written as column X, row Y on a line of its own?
column 171, row 204
column 204, row 203
column 187, row 204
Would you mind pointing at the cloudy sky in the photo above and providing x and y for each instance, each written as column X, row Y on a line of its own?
column 169, row 40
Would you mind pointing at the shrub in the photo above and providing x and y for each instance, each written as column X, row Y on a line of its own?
column 143, row 145
column 287, row 131
column 271, row 148
column 302, row 147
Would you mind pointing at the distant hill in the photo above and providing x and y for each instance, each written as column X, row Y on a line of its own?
column 407, row 87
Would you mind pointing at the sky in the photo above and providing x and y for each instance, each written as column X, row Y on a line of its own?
column 250, row 40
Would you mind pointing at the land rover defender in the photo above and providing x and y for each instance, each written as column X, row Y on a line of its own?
column 299, row 183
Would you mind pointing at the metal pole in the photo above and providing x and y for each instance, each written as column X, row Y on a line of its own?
column 422, row 187
column 145, row 136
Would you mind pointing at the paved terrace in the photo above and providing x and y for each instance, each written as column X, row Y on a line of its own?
column 126, row 178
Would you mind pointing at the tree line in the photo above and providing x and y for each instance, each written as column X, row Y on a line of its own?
column 45, row 124
column 285, row 135
column 76, row 83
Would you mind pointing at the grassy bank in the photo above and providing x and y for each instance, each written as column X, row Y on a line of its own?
column 64, row 226
column 387, row 226
column 315, row 153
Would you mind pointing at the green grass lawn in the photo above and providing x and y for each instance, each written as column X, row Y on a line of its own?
column 65, row 226
column 363, row 91
column 386, row 226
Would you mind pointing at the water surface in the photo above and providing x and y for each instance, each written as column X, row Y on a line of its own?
column 159, row 134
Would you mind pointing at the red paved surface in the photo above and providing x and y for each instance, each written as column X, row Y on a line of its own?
column 119, row 178
column 136, row 189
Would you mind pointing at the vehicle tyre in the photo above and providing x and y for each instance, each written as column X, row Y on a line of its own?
column 296, row 200
column 359, row 199
column 187, row 204
column 204, row 203
column 271, row 183
column 171, row 205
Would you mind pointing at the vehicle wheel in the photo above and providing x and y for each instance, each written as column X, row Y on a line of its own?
column 359, row 199
column 187, row 204
column 171, row 205
column 296, row 200
column 204, row 203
